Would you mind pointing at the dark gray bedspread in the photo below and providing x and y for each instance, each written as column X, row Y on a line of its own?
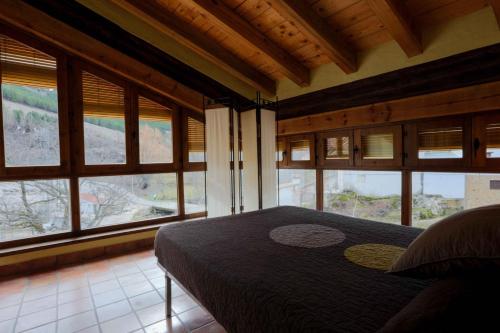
column 252, row 284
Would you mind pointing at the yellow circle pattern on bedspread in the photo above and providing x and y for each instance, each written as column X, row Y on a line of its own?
column 376, row 256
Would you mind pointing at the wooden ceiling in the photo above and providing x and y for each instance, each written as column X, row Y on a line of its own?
column 261, row 41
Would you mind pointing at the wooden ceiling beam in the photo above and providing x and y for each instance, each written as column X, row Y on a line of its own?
column 160, row 19
column 234, row 25
column 26, row 18
column 304, row 16
column 396, row 20
column 495, row 4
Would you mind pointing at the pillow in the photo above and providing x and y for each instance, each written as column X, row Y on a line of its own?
column 455, row 304
column 466, row 241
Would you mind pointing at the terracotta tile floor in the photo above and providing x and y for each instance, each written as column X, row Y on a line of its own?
column 121, row 294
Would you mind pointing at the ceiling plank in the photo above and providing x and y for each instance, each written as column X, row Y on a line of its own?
column 304, row 16
column 160, row 19
column 396, row 20
column 495, row 4
column 23, row 16
column 235, row 25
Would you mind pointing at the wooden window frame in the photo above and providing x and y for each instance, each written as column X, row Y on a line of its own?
column 62, row 114
column 395, row 162
column 289, row 163
column 72, row 168
column 323, row 162
column 478, row 141
column 283, row 163
column 411, row 144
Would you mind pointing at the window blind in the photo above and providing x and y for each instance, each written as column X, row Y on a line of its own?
column 377, row 146
column 196, row 135
column 102, row 98
column 152, row 111
column 440, row 139
column 493, row 135
column 300, row 150
column 26, row 66
column 337, row 148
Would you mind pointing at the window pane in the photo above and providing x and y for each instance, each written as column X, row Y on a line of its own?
column 437, row 195
column 196, row 140
column 297, row 187
column 440, row 143
column 493, row 141
column 300, row 150
column 337, row 148
column 104, row 121
column 29, row 105
column 194, row 192
column 155, row 132
column 34, row 208
column 371, row 195
column 122, row 199
column 377, row 146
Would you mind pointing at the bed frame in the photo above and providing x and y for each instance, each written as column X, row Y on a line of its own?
column 168, row 292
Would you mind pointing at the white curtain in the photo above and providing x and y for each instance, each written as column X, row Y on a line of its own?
column 250, row 171
column 236, row 164
column 218, row 158
column 268, row 139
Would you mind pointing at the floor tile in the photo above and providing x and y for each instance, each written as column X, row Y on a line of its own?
column 137, row 289
column 9, row 312
column 113, row 310
column 109, row 297
column 158, row 282
column 132, row 279
column 10, row 300
column 211, row 328
column 36, row 319
column 73, row 295
column 182, row 303
column 105, row 286
column 126, row 270
column 93, row 329
column 195, row 318
column 77, row 322
column 94, row 277
column 49, row 328
column 38, row 305
column 154, row 272
column 152, row 314
column 39, row 292
column 145, row 300
column 7, row 326
column 172, row 325
column 73, row 308
column 72, row 285
column 125, row 324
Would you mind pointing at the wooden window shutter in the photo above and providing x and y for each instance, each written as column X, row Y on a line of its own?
column 152, row 111
column 441, row 139
column 196, row 135
column 26, row 66
column 102, row 98
column 493, row 135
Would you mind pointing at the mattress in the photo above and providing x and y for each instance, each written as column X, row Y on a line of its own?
column 263, row 272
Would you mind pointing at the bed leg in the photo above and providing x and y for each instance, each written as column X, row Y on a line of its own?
column 168, row 296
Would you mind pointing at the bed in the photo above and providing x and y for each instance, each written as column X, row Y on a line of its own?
column 256, row 272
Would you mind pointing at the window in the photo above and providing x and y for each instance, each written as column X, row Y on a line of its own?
column 30, row 208
column 29, row 105
column 115, row 200
column 280, row 150
column 371, row 195
column 104, row 121
column 300, row 150
column 155, row 132
column 334, row 149
column 493, row 140
column 297, row 187
column 437, row 195
column 438, row 143
column 379, row 146
column 196, row 140
column 194, row 192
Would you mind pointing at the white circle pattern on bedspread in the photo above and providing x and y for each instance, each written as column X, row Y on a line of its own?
column 307, row 235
